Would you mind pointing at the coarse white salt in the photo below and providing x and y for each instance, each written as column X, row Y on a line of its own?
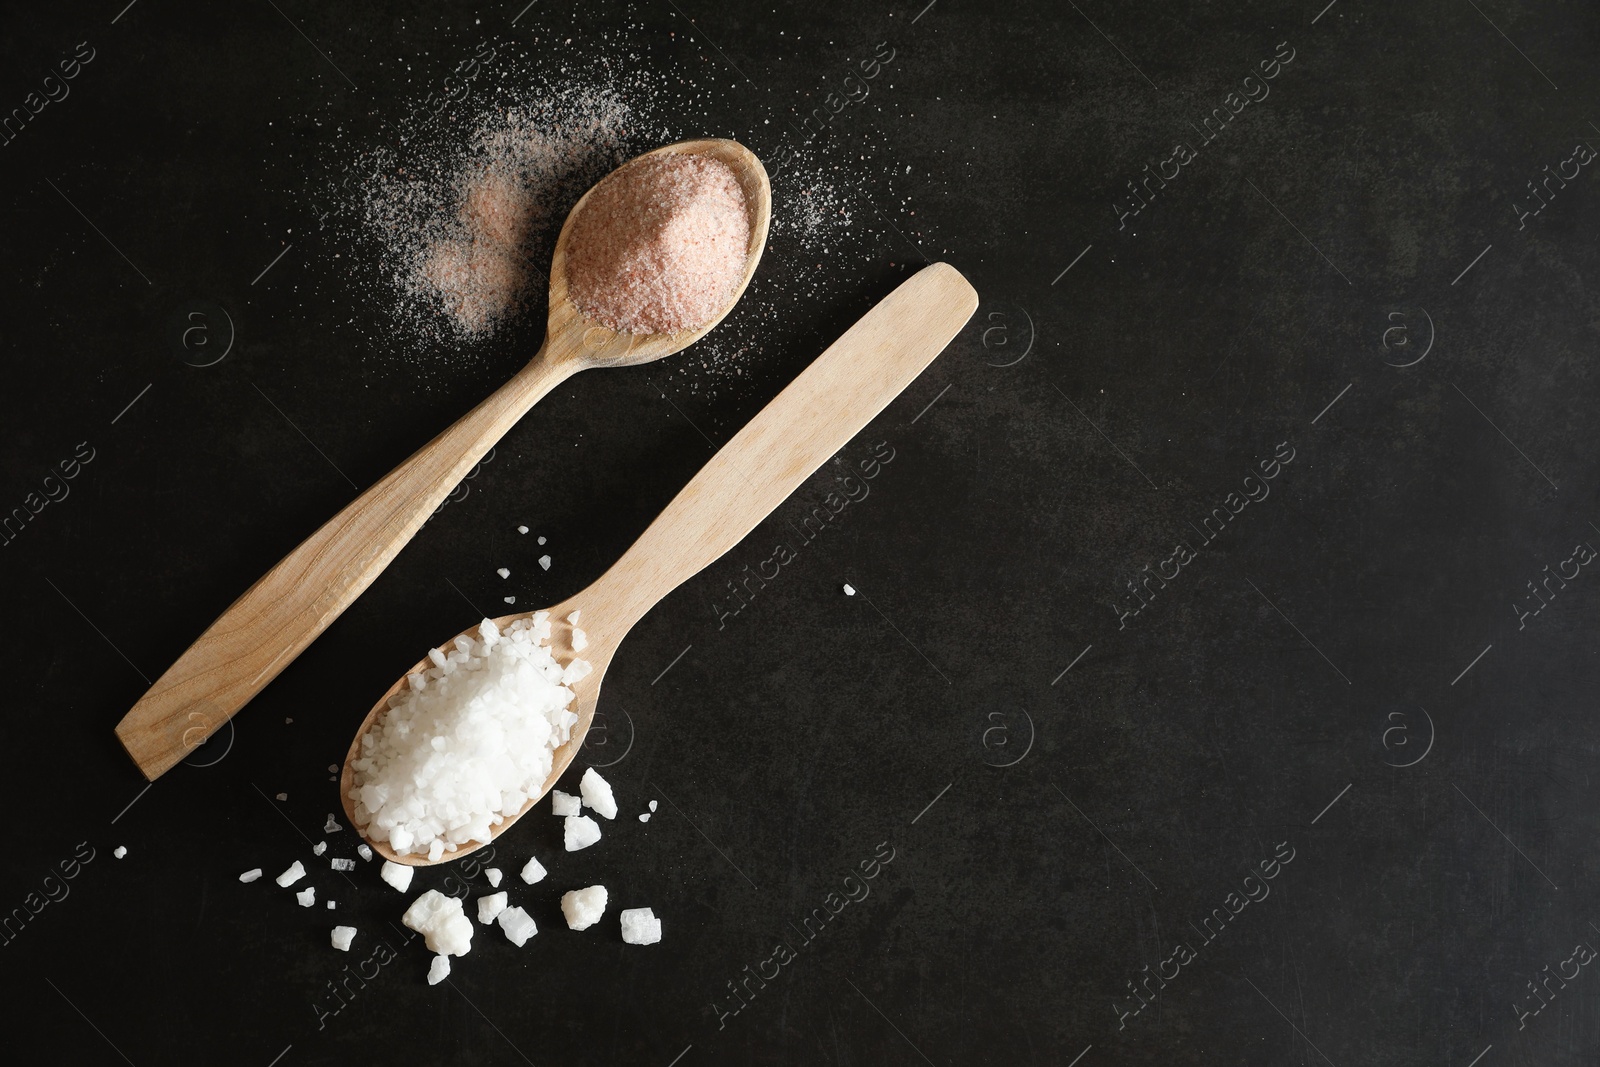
column 544, row 561
column 292, row 875
column 319, row 848
column 583, row 907
column 438, row 970
column 342, row 936
column 849, row 590
column 509, row 599
column 396, row 874
column 331, row 827
column 251, row 875
column 652, row 805
column 490, row 906
column 120, row 851
column 493, row 875
column 579, row 831
column 285, row 796
column 541, row 541
column 333, row 768
column 364, row 851
column 644, row 816
column 332, row 904
column 464, row 746
column 574, row 615
column 504, row 572
column 564, row 804
column 640, row 926
column 518, row 925
column 307, row 896
column 533, row 871
column 522, row 529
column 442, row 922
column 342, row 865
column 580, row 640
column 597, row 794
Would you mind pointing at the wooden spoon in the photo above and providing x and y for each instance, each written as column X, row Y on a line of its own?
column 815, row 416
column 277, row 617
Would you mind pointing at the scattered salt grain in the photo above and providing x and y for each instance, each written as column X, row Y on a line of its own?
column 580, row 831
column 544, row 561
column 640, row 926
column 518, row 925
column 438, row 970
column 493, row 875
column 849, row 590
column 652, row 805
column 333, row 768
column 251, row 875
column 541, row 541
column 396, row 874
column 307, row 896
column 564, row 804
column 364, row 851
column 332, row 904
column 580, row 640
column 583, row 907
column 644, row 817
column 491, row 906
column 120, row 851
column 292, row 875
column 342, row 936
column 442, row 922
column 331, row 827
column 285, row 796
column 342, row 865
column 522, row 529
column 503, row 572
column 510, row 599
column 660, row 245
column 465, row 745
column 597, row 794
column 319, row 848
column 533, row 871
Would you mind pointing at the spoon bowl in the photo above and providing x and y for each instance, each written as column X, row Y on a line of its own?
column 263, row 631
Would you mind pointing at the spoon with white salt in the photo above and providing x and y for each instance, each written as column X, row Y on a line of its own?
column 283, row 612
column 811, row 420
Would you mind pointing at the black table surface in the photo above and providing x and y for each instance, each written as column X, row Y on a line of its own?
column 1219, row 683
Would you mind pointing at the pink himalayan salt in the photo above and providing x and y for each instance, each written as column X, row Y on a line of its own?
column 660, row 245
column 479, row 275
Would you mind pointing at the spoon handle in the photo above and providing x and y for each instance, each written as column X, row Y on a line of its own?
column 816, row 415
column 277, row 617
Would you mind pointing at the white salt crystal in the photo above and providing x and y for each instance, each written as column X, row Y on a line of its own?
column 120, row 851
column 490, row 906
column 342, row 865
column 580, row 640
column 493, row 874
column 518, row 925
column 332, row 904
column 510, row 599
column 292, row 875
column 331, row 827
column 438, row 970
column 644, row 817
column 319, row 848
column 652, row 805
column 640, row 926
column 564, row 804
column 541, row 539
column 583, row 907
column 544, row 561
column 364, row 851
column 580, row 831
column 454, row 758
column 442, row 922
column 396, row 874
column 533, row 871
column 522, row 529
column 251, row 875
column 333, row 768
column 849, row 590
column 597, row 794
column 573, row 616
column 342, row 936
column 307, row 896
column 504, row 572
column 285, row 796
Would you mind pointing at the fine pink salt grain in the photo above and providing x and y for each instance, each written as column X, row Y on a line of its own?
column 660, row 245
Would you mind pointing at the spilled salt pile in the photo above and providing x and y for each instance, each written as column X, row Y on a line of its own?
column 660, row 244
column 467, row 742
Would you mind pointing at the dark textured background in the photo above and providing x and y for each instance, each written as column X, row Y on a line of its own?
column 1053, row 833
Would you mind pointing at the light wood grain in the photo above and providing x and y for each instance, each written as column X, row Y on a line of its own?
column 815, row 416
column 265, row 629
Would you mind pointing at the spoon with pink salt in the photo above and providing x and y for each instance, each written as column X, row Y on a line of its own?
column 648, row 261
